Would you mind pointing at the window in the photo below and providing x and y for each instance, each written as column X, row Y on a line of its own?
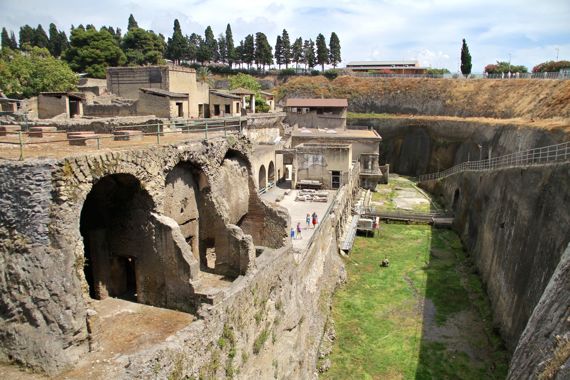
column 335, row 179
column 228, row 109
column 216, row 109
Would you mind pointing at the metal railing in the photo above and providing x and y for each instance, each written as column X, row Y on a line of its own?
column 552, row 75
column 537, row 156
column 191, row 128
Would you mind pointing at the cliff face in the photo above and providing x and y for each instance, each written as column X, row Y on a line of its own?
column 418, row 145
column 442, row 97
column 514, row 222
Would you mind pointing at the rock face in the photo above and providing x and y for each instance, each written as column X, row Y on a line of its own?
column 514, row 223
column 415, row 146
column 442, row 97
column 548, row 329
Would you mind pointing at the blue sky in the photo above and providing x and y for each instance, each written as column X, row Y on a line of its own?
column 529, row 32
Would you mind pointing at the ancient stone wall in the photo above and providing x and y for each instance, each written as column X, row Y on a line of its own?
column 47, row 294
column 108, row 110
column 415, row 146
column 514, row 224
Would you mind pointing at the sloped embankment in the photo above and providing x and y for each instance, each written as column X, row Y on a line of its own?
column 444, row 97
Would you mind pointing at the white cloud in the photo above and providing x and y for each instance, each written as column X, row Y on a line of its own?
column 429, row 30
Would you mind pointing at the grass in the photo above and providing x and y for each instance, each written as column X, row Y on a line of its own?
column 357, row 115
column 388, row 193
column 379, row 314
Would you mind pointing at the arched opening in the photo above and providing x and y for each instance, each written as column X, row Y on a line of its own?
column 271, row 172
column 262, row 177
column 114, row 224
column 455, row 200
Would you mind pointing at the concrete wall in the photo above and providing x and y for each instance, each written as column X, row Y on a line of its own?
column 50, row 106
column 181, row 79
column 513, row 222
column 126, row 81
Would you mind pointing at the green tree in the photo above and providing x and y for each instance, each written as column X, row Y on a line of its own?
column 194, row 43
column 239, row 54
column 551, row 66
column 25, row 74
column 322, row 51
column 435, row 71
column 204, row 75
column 248, row 50
column 245, row 81
column 465, row 59
column 57, row 41
column 279, row 52
column 287, row 53
column 334, row 52
column 263, row 51
column 177, row 46
column 143, row 47
column 26, row 35
column 222, row 49
column 40, row 38
column 13, row 41
column 309, row 58
column 5, row 41
column 297, row 51
column 502, row 67
column 231, row 50
column 132, row 23
column 210, row 46
column 92, row 51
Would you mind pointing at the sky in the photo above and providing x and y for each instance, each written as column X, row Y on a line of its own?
column 522, row 31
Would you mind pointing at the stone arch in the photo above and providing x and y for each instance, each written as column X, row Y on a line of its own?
column 113, row 220
column 262, row 176
column 271, row 172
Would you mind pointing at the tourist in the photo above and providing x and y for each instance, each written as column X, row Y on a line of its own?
column 299, row 236
column 308, row 220
column 292, row 233
column 315, row 221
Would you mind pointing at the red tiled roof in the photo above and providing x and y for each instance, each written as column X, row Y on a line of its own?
column 296, row 102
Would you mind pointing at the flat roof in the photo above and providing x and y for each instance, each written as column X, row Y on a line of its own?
column 381, row 63
column 324, row 103
column 242, row 91
column 161, row 92
column 224, row 94
column 313, row 133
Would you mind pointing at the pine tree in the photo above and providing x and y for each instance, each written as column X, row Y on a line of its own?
column 54, row 45
column 297, row 51
column 5, row 41
column 26, row 35
column 465, row 59
column 222, row 48
column 231, row 50
column 286, row 54
column 248, row 51
column 334, row 52
column 309, row 58
column 210, row 49
column 322, row 51
column 194, row 42
column 13, row 41
column 132, row 23
column 263, row 51
column 177, row 45
column 278, row 52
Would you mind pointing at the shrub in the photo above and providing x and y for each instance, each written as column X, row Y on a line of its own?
column 331, row 74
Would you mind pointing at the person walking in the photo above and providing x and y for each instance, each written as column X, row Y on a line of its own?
column 299, row 235
column 292, row 233
column 308, row 220
column 315, row 221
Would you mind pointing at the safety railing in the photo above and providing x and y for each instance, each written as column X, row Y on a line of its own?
column 537, row 156
column 98, row 140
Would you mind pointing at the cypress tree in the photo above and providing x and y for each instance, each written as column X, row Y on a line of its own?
column 26, row 35
column 231, row 50
column 132, row 23
column 297, row 51
column 54, row 45
column 465, row 59
column 278, row 52
column 286, row 54
column 248, row 50
column 222, row 49
column 263, row 51
column 13, row 41
column 177, row 45
column 210, row 45
column 5, row 40
column 309, row 57
column 334, row 53
column 322, row 51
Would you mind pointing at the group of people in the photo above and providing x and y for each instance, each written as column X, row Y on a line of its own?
column 296, row 233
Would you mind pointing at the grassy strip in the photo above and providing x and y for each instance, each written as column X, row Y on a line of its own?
column 380, row 314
